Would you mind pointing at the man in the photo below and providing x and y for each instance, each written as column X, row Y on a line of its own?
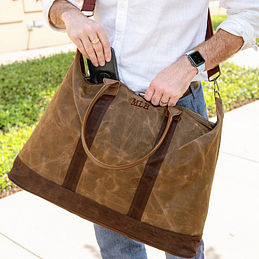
column 152, row 41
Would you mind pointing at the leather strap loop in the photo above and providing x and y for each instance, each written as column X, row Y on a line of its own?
column 88, row 5
column 171, row 114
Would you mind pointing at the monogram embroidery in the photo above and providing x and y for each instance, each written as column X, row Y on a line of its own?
column 140, row 104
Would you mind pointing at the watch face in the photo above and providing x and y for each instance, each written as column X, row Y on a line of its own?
column 197, row 58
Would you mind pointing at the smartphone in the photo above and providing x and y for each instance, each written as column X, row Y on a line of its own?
column 109, row 70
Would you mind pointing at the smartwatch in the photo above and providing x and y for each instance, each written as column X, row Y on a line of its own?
column 196, row 60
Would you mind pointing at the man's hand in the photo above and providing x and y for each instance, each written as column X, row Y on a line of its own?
column 82, row 31
column 171, row 83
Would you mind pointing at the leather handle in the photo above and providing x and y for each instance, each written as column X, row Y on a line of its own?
column 125, row 166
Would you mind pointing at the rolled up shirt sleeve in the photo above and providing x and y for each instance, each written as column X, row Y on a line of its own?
column 242, row 20
column 46, row 5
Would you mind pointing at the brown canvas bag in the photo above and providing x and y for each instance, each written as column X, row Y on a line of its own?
column 102, row 152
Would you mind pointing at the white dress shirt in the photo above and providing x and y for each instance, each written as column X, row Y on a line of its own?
column 149, row 35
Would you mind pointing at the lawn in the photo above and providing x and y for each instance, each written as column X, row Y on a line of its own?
column 27, row 87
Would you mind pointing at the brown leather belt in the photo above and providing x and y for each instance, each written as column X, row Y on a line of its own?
column 195, row 85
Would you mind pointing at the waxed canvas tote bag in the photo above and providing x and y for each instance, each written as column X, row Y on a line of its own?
column 102, row 152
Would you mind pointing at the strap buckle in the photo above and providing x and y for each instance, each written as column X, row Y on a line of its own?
column 216, row 89
column 88, row 13
column 214, row 77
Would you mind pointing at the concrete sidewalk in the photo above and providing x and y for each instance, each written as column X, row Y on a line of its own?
column 246, row 58
column 31, row 227
column 19, row 56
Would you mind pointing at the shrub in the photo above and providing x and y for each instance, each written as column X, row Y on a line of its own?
column 237, row 86
column 26, row 88
column 10, row 144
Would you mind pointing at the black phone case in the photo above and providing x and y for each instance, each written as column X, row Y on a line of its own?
column 109, row 70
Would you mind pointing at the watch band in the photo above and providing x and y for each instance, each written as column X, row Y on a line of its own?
column 201, row 67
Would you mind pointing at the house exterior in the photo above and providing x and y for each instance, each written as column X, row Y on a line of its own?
column 22, row 27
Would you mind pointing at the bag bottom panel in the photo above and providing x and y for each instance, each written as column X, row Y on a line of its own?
column 169, row 241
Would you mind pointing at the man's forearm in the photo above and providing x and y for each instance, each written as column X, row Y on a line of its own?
column 219, row 48
column 173, row 81
column 58, row 10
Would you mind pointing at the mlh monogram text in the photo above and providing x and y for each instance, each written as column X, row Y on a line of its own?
column 140, row 104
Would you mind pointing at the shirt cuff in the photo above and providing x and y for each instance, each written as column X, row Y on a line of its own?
column 46, row 5
column 234, row 24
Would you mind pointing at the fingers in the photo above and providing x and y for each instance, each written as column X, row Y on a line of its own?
column 149, row 93
column 97, row 49
column 88, row 46
column 81, row 48
column 153, row 94
column 102, row 47
column 83, row 35
column 164, row 100
column 172, row 102
column 158, row 95
column 105, row 43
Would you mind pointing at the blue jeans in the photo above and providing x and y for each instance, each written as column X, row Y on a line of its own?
column 116, row 246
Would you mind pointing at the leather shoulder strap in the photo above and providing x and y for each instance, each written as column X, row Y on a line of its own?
column 209, row 34
column 89, row 5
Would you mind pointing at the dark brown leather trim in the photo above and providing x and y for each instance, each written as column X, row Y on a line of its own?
column 209, row 34
column 75, row 168
column 88, row 5
column 171, row 242
column 78, row 160
column 209, row 31
column 150, row 174
column 82, row 64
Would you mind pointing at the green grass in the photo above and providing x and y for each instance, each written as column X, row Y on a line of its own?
column 217, row 20
column 25, row 91
column 237, row 86
column 10, row 144
column 26, row 88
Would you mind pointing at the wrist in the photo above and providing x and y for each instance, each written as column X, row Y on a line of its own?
column 190, row 69
column 196, row 60
column 60, row 11
column 67, row 15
